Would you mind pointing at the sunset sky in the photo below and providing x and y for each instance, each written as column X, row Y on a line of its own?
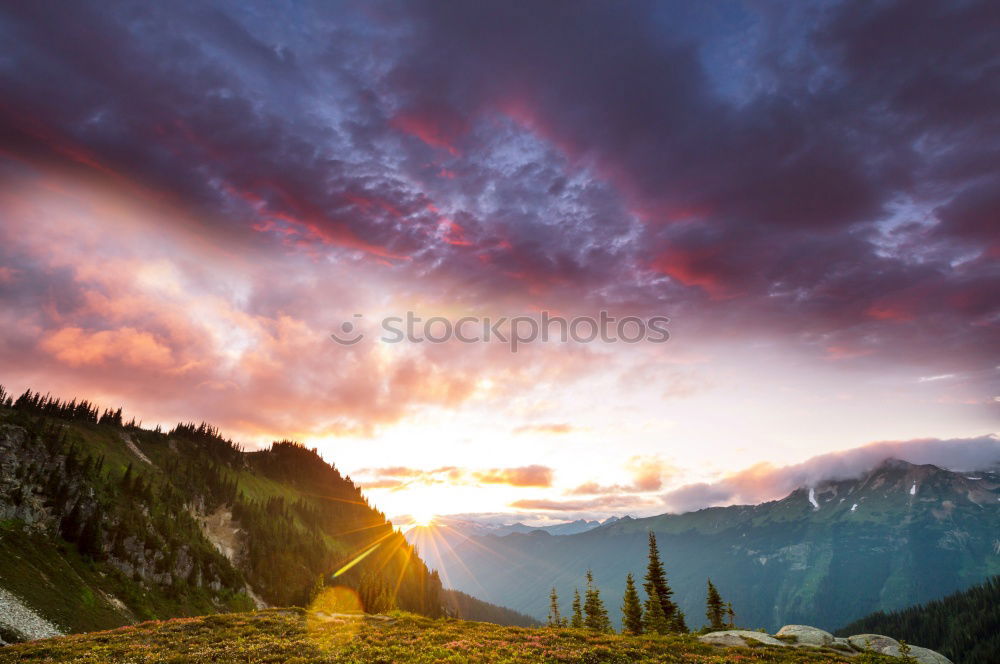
column 194, row 196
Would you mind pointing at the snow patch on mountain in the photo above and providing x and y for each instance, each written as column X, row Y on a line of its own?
column 812, row 499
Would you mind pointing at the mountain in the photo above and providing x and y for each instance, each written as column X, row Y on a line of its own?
column 300, row 637
column 468, row 607
column 965, row 626
column 471, row 527
column 104, row 523
column 901, row 534
column 437, row 541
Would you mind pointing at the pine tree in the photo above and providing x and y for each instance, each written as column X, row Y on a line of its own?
column 555, row 618
column 653, row 620
column 631, row 608
column 714, row 607
column 677, row 622
column 657, row 589
column 730, row 616
column 577, row 620
column 593, row 606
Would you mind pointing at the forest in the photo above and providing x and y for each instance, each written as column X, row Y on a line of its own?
column 962, row 626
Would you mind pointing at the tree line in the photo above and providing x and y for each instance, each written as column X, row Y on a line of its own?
column 962, row 626
column 658, row 614
column 140, row 521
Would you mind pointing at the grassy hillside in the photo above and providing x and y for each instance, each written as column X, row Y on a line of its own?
column 965, row 626
column 298, row 637
column 104, row 523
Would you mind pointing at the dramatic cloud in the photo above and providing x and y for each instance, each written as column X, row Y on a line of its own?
column 196, row 195
column 566, row 164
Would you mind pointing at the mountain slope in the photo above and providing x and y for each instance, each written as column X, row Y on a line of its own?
column 459, row 604
column 299, row 637
column 103, row 523
column 965, row 626
column 899, row 535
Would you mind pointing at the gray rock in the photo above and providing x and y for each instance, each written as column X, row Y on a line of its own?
column 928, row 656
column 841, row 643
column 875, row 642
column 807, row 636
column 889, row 646
column 739, row 637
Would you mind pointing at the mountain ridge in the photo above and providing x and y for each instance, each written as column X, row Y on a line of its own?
column 899, row 534
column 104, row 523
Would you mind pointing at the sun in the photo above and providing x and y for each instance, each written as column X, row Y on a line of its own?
column 422, row 519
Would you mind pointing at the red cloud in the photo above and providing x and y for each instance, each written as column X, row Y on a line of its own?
column 77, row 347
column 696, row 267
column 439, row 128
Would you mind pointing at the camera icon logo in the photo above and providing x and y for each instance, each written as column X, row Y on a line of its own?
column 349, row 334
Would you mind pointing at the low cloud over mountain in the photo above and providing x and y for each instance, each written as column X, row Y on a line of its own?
column 764, row 481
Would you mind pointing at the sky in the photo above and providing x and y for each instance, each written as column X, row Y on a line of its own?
column 195, row 196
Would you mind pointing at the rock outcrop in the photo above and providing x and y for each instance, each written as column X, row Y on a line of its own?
column 738, row 637
column 804, row 636
column 875, row 642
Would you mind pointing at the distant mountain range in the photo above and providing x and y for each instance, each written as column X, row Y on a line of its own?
column 471, row 527
column 901, row 534
column 447, row 531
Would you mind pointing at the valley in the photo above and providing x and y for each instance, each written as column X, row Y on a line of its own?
column 899, row 535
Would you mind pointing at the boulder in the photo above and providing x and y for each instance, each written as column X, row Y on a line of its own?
column 807, row 636
column 928, row 656
column 841, row 643
column 739, row 637
column 875, row 642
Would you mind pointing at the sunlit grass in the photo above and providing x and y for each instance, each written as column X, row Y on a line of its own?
column 331, row 633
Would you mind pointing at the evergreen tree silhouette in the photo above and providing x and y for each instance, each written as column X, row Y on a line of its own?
column 577, row 620
column 593, row 607
column 659, row 591
column 714, row 607
column 555, row 619
column 653, row 620
column 677, row 623
column 631, row 608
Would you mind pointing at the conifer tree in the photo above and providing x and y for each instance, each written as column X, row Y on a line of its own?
column 714, row 607
column 653, row 620
column 631, row 608
column 593, row 607
column 730, row 616
column 677, row 622
column 577, row 620
column 555, row 619
column 658, row 590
